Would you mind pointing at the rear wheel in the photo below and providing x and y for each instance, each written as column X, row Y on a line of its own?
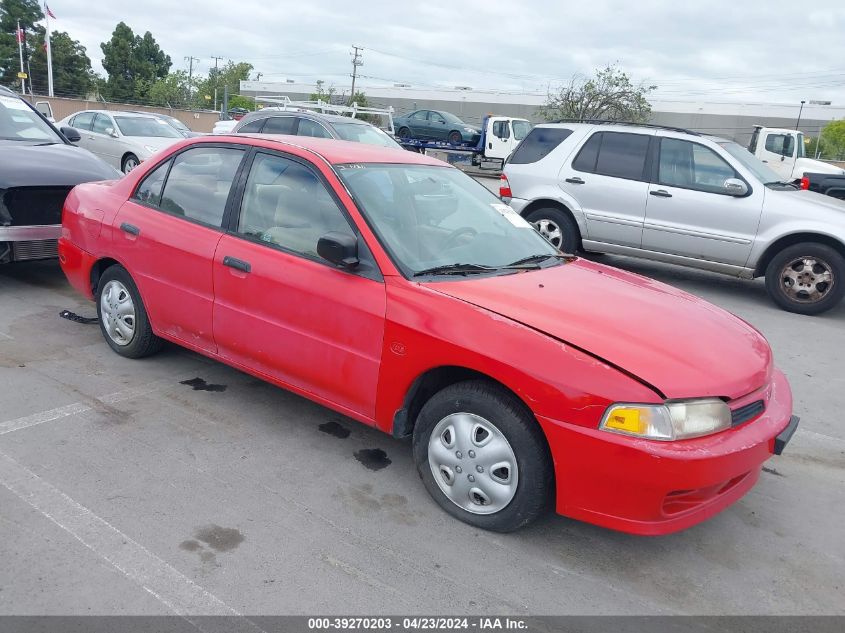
column 130, row 162
column 557, row 227
column 404, row 132
column 806, row 278
column 123, row 318
column 455, row 138
column 482, row 457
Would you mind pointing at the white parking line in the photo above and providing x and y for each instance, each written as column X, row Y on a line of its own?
column 79, row 407
column 177, row 592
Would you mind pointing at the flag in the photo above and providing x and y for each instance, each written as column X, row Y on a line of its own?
column 48, row 12
column 20, row 35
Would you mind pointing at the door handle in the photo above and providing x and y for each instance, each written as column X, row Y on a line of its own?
column 575, row 180
column 239, row 264
column 130, row 228
column 661, row 193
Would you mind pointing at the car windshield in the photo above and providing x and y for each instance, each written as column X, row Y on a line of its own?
column 753, row 164
column 145, row 126
column 177, row 123
column 18, row 122
column 430, row 217
column 364, row 134
column 451, row 118
column 520, row 129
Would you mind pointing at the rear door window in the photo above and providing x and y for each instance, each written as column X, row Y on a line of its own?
column 252, row 126
column 307, row 127
column 199, row 182
column 616, row 154
column 280, row 125
column 538, row 144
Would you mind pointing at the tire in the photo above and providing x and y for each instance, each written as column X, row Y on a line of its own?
column 525, row 485
column 455, row 138
column 130, row 162
column 557, row 227
column 404, row 133
column 125, row 326
column 806, row 278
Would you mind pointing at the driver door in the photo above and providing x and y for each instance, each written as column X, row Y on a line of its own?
column 100, row 139
column 500, row 141
column 437, row 127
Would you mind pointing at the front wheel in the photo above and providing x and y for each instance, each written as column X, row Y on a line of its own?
column 806, row 278
column 455, row 138
column 130, row 162
column 557, row 227
column 482, row 457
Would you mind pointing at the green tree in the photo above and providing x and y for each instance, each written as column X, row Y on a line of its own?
column 133, row 64
column 608, row 95
column 173, row 90
column 72, row 73
column 29, row 13
column 833, row 139
column 228, row 76
column 322, row 93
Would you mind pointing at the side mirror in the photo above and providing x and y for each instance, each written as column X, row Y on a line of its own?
column 341, row 249
column 71, row 134
column 735, row 187
column 111, row 132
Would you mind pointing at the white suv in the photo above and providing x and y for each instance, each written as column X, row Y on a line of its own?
column 676, row 196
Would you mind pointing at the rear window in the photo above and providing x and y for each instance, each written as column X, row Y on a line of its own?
column 538, row 144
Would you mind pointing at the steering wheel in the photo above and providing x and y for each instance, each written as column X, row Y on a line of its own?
column 452, row 240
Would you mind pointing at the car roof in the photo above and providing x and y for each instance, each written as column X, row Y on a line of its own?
column 127, row 113
column 316, row 116
column 337, row 152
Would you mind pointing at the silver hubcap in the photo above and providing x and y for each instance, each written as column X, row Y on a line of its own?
column 472, row 463
column 117, row 312
column 550, row 231
column 129, row 165
column 807, row 279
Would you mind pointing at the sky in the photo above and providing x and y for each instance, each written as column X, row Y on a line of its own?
column 742, row 50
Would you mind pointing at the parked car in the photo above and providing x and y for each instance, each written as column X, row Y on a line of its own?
column 122, row 139
column 173, row 122
column 676, row 196
column 274, row 121
column 827, row 184
column 437, row 125
column 396, row 290
column 38, row 167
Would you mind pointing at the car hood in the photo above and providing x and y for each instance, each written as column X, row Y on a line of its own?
column 810, row 165
column 30, row 165
column 679, row 345
column 811, row 200
column 158, row 142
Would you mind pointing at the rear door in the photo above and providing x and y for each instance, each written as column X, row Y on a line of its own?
column 690, row 214
column 282, row 124
column 418, row 122
column 166, row 235
column 283, row 311
column 608, row 179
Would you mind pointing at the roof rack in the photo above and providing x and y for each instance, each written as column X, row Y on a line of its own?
column 283, row 102
column 609, row 122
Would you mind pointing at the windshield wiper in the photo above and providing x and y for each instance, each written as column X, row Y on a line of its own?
column 455, row 269
column 540, row 257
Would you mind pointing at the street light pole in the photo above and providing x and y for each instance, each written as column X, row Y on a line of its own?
column 216, row 79
column 799, row 114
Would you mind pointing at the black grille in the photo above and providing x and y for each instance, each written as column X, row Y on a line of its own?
column 32, row 206
column 747, row 412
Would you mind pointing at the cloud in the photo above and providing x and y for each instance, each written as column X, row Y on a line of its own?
column 754, row 49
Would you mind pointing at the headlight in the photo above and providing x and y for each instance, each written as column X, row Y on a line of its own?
column 150, row 149
column 676, row 420
column 470, row 130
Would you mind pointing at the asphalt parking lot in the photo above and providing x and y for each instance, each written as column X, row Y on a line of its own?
column 178, row 484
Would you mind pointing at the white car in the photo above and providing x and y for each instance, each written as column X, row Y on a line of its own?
column 122, row 139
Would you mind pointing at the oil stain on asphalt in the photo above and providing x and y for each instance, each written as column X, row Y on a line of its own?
column 334, row 429
column 198, row 384
column 373, row 458
column 216, row 538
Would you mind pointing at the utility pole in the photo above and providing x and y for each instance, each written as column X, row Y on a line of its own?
column 190, row 59
column 799, row 114
column 356, row 61
column 216, row 78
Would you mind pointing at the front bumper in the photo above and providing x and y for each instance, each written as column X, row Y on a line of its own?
column 652, row 487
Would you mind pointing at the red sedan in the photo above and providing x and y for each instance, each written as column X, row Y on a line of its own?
column 398, row 291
